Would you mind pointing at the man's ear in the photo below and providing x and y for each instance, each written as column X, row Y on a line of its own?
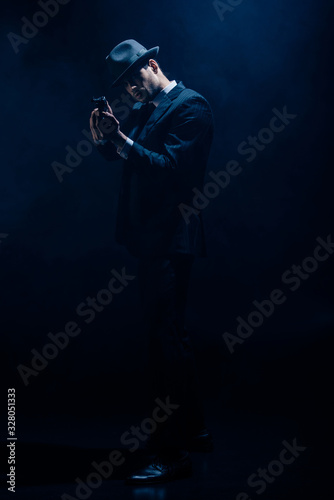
column 154, row 65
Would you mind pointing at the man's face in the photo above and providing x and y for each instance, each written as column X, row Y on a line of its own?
column 142, row 84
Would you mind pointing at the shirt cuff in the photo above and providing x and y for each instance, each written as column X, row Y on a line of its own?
column 124, row 151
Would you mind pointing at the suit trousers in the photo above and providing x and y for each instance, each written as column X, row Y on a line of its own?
column 163, row 284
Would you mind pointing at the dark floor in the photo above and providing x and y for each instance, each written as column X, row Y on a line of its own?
column 52, row 453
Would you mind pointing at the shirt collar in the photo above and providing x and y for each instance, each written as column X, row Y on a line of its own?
column 157, row 100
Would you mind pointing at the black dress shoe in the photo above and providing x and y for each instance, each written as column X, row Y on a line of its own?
column 201, row 442
column 161, row 470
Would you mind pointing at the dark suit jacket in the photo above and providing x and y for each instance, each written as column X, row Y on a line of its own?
column 167, row 160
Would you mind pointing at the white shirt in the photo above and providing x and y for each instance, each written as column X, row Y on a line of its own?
column 157, row 100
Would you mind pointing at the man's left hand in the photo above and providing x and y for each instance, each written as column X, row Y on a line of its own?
column 108, row 125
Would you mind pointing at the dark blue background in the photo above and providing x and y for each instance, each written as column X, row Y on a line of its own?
column 60, row 246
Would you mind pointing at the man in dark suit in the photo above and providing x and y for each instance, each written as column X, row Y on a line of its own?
column 165, row 143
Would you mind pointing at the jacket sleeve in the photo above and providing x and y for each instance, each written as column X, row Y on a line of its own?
column 192, row 123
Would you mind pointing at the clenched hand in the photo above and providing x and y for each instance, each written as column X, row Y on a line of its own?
column 105, row 126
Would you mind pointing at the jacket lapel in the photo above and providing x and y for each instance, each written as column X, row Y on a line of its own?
column 142, row 118
column 160, row 110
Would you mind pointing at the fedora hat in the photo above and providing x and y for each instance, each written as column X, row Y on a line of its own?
column 125, row 56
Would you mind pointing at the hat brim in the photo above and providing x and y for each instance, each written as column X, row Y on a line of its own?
column 151, row 53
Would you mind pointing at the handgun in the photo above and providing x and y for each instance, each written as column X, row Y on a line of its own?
column 101, row 103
